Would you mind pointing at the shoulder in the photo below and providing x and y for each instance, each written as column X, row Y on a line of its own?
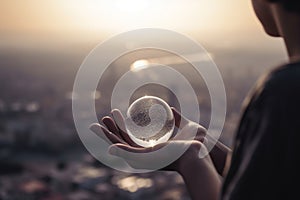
column 279, row 85
column 267, row 136
column 275, row 97
column 283, row 79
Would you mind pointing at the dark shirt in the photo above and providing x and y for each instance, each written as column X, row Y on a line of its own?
column 266, row 155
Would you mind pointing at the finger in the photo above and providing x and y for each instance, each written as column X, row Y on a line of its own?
column 119, row 119
column 113, row 138
column 96, row 128
column 180, row 121
column 111, row 126
column 103, row 133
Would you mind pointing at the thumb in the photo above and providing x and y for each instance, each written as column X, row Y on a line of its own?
column 180, row 120
column 113, row 150
column 118, row 150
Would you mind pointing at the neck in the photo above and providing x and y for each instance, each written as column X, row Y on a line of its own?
column 293, row 47
column 292, row 41
column 289, row 27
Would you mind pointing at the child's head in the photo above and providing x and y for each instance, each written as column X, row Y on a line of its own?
column 271, row 13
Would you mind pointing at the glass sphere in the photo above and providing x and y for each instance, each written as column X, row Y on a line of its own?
column 149, row 121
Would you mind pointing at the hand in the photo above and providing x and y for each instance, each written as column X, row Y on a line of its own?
column 197, row 173
column 140, row 157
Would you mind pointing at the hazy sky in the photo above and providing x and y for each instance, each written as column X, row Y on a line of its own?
column 119, row 15
column 96, row 17
column 220, row 23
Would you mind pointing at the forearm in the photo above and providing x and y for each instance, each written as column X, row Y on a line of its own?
column 218, row 154
column 201, row 179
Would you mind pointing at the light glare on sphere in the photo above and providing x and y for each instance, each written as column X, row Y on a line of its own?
column 149, row 121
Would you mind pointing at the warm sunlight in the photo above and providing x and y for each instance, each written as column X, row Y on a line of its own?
column 99, row 18
column 129, row 14
column 131, row 5
column 139, row 64
column 69, row 70
column 122, row 15
column 111, row 15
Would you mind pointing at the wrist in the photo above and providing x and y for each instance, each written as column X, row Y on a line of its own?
column 187, row 164
column 201, row 178
column 189, row 159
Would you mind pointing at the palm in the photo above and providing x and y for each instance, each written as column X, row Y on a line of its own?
column 189, row 137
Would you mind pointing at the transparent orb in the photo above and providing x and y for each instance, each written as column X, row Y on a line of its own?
column 149, row 121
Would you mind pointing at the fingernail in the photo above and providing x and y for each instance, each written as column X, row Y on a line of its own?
column 114, row 110
column 105, row 118
column 93, row 127
column 113, row 150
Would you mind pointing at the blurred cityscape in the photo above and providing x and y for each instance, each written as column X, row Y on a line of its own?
column 41, row 155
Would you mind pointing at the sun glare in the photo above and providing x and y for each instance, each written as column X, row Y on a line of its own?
column 131, row 5
column 139, row 65
column 101, row 18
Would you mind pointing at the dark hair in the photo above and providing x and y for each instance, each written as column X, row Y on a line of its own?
column 290, row 5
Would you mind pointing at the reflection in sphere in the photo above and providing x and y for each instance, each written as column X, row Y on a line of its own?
column 149, row 121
